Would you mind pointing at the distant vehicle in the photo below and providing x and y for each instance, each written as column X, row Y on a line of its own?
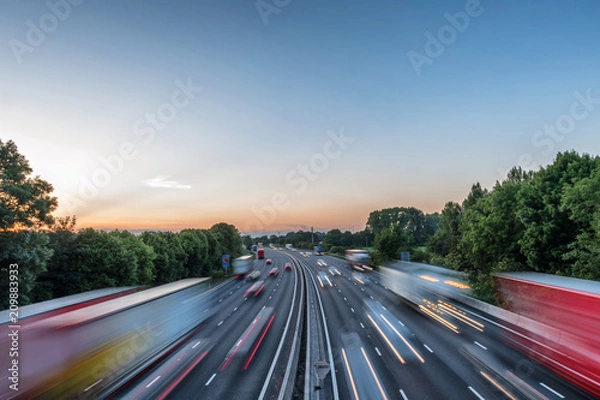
column 254, row 247
column 321, row 263
column 274, row 271
column 359, row 259
column 288, row 266
column 242, row 266
column 334, row 271
column 288, row 246
column 269, row 261
column 318, row 250
column 254, row 275
column 260, row 253
column 557, row 323
column 324, row 280
column 255, row 289
column 360, row 278
column 260, row 244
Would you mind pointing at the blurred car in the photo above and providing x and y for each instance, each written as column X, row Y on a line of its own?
column 287, row 267
column 324, row 280
column 254, row 275
column 273, row 272
column 255, row 289
column 321, row 263
column 360, row 278
column 269, row 261
column 334, row 271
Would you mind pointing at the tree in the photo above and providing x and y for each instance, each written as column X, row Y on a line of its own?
column 29, row 250
column 582, row 203
column 25, row 201
column 195, row 245
column 25, row 208
column 549, row 229
column 169, row 264
column 142, row 268
column 445, row 240
column 229, row 238
column 410, row 219
column 247, row 241
column 390, row 242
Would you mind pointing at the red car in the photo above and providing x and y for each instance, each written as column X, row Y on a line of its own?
column 273, row 272
column 269, row 262
column 288, row 266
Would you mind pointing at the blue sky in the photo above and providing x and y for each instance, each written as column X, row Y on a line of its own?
column 239, row 105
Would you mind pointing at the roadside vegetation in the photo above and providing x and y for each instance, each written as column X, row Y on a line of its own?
column 546, row 221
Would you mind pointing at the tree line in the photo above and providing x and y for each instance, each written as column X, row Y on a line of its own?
column 55, row 260
column 545, row 221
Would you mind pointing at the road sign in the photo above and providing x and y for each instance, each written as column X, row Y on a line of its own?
column 322, row 368
column 225, row 260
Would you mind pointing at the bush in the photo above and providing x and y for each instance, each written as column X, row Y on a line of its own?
column 436, row 259
column 217, row 273
column 337, row 250
column 420, row 256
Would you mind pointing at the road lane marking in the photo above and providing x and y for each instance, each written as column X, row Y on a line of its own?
column 361, row 324
column 381, row 391
column 476, row 394
column 154, row 380
column 480, row 345
column 378, row 352
column 403, row 395
column 350, row 374
column 89, row 387
column 427, row 347
column 196, row 345
column 351, row 309
column 210, row 380
column 220, row 323
column 235, row 309
column 372, row 298
column 552, row 390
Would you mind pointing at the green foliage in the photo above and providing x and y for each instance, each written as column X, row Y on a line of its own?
column 417, row 225
column 228, row 238
column 547, row 221
column 169, row 264
column 25, row 207
column 581, row 202
column 30, row 251
column 339, row 250
column 390, row 242
column 549, row 229
column 25, row 201
column 445, row 239
column 143, row 258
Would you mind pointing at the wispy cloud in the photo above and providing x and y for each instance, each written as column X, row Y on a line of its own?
column 162, row 182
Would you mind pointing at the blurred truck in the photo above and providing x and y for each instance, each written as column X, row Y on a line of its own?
column 557, row 323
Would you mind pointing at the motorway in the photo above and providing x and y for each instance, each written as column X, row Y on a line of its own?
column 326, row 332
column 244, row 349
column 385, row 349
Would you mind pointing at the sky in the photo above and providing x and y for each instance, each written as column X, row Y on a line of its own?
column 281, row 115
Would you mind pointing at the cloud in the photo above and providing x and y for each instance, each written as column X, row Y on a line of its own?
column 161, row 182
